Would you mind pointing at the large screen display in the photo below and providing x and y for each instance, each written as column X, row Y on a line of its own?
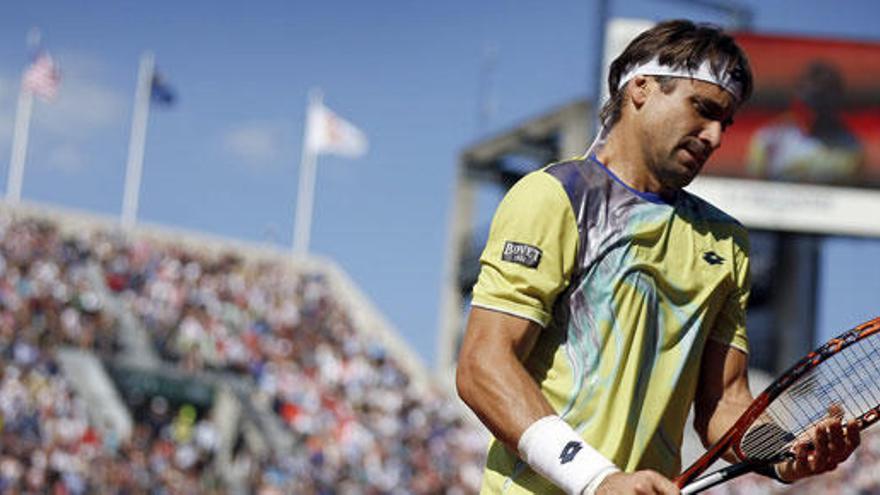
column 814, row 115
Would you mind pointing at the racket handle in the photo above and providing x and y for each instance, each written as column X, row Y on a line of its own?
column 718, row 477
column 704, row 483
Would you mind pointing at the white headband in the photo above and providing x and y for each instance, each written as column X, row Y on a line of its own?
column 703, row 73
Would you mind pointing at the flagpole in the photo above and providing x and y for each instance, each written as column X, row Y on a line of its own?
column 19, row 145
column 306, row 191
column 134, row 165
column 21, row 131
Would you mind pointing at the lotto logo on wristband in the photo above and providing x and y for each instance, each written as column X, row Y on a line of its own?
column 570, row 450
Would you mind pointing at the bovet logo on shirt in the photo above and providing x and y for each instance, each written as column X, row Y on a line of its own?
column 516, row 252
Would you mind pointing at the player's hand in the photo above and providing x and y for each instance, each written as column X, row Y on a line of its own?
column 827, row 444
column 639, row 483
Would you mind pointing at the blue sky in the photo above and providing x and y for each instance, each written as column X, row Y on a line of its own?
column 225, row 159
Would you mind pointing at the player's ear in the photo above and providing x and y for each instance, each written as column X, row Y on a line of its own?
column 638, row 90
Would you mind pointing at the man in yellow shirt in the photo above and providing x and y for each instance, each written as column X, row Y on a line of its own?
column 609, row 299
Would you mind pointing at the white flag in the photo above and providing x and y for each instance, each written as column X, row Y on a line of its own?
column 42, row 78
column 326, row 132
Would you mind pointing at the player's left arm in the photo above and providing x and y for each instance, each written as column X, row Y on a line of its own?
column 722, row 392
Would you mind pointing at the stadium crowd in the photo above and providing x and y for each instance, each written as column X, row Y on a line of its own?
column 48, row 444
column 47, row 441
column 360, row 425
column 359, row 422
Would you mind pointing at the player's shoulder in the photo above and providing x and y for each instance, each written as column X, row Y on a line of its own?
column 552, row 182
column 700, row 208
column 574, row 173
column 711, row 217
column 567, row 181
column 574, row 177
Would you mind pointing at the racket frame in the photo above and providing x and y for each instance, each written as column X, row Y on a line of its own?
column 733, row 436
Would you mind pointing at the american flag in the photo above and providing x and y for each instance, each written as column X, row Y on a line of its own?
column 42, row 78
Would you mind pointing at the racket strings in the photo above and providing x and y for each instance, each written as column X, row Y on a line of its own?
column 868, row 399
column 847, row 385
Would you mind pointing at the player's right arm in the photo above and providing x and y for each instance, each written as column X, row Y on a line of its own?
column 491, row 379
column 493, row 382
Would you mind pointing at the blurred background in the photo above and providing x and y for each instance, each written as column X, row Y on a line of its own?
column 237, row 241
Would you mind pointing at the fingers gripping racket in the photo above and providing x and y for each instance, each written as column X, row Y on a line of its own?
column 843, row 375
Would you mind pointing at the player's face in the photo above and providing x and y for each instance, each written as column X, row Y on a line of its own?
column 683, row 128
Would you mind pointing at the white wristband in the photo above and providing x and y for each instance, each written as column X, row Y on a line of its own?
column 554, row 450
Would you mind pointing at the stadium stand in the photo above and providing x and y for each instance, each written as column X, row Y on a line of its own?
column 237, row 370
column 243, row 371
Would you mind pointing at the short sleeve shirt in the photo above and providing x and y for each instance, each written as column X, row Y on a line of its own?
column 627, row 287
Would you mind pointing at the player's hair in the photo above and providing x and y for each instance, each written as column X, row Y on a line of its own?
column 681, row 44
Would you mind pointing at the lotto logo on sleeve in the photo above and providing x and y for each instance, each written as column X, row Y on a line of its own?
column 523, row 254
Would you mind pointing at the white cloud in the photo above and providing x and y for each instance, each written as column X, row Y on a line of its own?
column 84, row 104
column 83, row 111
column 83, row 107
column 256, row 143
column 81, row 65
column 67, row 158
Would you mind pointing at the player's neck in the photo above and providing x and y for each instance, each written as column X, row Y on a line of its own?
column 622, row 154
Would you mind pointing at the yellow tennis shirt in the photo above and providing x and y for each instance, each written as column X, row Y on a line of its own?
column 627, row 288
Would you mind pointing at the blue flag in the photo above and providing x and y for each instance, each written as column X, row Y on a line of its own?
column 160, row 92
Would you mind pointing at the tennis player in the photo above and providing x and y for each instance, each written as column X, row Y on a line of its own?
column 609, row 299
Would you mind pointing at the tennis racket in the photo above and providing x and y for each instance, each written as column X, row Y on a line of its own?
column 843, row 375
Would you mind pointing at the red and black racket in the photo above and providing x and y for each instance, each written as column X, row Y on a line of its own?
column 843, row 375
